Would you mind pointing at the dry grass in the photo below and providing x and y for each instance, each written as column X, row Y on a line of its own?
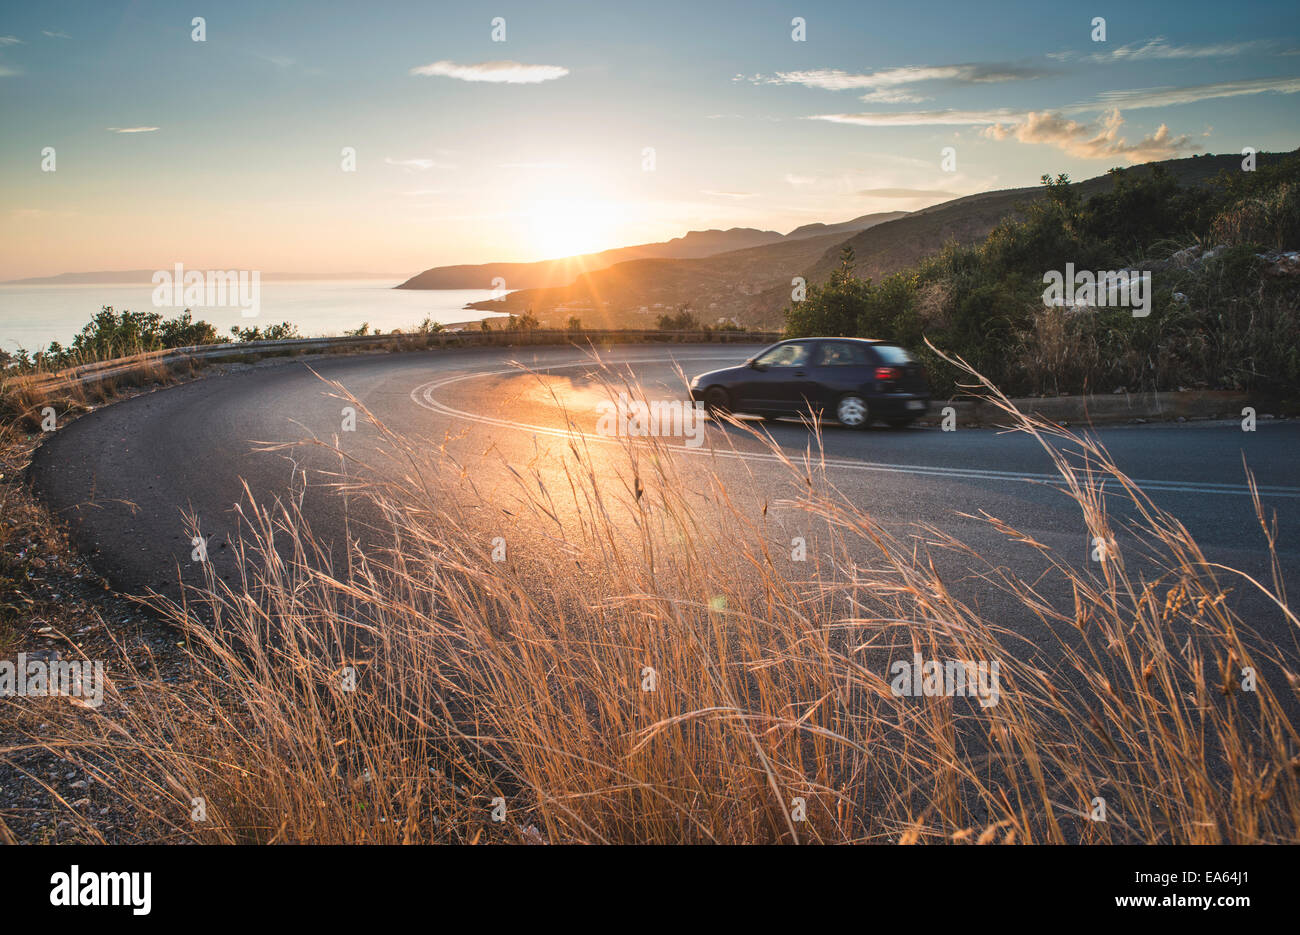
column 524, row 679
column 23, row 398
column 1272, row 219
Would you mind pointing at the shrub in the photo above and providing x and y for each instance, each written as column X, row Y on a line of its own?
column 283, row 331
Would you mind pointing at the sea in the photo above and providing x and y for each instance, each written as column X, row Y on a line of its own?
column 31, row 316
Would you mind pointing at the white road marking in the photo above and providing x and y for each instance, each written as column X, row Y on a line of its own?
column 423, row 396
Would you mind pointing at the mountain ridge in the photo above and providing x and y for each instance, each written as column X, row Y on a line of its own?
column 754, row 286
column 563, row 270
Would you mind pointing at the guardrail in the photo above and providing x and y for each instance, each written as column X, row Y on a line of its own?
column 107, row 369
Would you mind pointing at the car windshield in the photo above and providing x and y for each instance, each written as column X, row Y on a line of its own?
column 891, row 354
column 786, row 355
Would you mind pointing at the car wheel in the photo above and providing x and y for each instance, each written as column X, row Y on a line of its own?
column 900, row 423
column 717, row 400
column 852, row 412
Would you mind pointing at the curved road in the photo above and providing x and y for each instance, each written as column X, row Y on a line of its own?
column 124, row 476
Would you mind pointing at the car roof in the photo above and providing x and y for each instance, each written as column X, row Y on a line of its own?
column 833, row 337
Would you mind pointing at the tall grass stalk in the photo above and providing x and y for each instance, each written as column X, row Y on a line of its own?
column 772, row 718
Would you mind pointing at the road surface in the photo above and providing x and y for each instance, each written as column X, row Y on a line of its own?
column 124, row 476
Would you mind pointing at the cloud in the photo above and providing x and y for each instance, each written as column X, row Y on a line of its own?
column 921, row 118
column 7, row 72
column 886, row 85
column 905, row 193
column 893, row 96
column 1163, row 97
column 10, row 40
column 131, row 129
column 1160, row 49
column 800, row 179
column 497, row 72
column 418, row 164
column 55, row 34
column 1134, row 99
column 730, row 194
column 1099, row 140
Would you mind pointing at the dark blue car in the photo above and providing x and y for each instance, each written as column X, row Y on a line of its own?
column 856, row 380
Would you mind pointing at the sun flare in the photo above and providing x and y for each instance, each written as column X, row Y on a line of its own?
column 565, row 227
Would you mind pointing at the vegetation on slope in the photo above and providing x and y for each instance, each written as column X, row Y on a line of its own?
column 1225, row 302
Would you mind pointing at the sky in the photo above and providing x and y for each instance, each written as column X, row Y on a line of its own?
column 592, row 125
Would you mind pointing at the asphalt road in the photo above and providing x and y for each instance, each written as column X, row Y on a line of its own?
column 125, row 476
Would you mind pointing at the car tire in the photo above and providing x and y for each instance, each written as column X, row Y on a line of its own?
column 717, row 400
column 852, row 411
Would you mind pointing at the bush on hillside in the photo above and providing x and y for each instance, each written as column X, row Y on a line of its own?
column 1217, row 318
column 113, row 334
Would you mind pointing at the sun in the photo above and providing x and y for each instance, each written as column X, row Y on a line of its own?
column 565, row 227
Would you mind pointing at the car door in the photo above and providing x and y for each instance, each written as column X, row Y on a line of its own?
column 784, row 378
column 839, row 367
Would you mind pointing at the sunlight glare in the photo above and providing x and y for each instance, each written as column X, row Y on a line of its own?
column 566, row 227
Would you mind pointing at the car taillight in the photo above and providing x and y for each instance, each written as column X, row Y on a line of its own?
column 888, row 373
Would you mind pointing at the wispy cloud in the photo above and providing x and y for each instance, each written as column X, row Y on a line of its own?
column 417, row 164
column 1163, row 97
column 131, row 129
column 1097, row 140
column 920, row 118
column 532, row 165
column 497, row 72
column 1133, row 99
column 10, row 40
column 55, row 34
column 889, row 85
column 287, row 63
column 7, row 72
column 1159, row 49
column 736, row 195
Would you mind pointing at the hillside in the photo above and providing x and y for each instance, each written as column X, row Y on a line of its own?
column 881, row 251
column 1216, row 305
column 902, row 243
column 563, row 271
column 753, row 286
column 635, row 293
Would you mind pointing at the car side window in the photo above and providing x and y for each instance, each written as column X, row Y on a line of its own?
column 840, row 354
column 787, row 355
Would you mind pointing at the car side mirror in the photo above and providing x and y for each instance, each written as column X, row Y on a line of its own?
column 755, row 365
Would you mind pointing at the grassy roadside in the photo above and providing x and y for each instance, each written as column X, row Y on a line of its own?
column 397, row 695
column 53, row 605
